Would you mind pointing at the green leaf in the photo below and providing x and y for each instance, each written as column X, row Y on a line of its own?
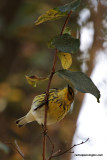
column 52, row 14
column 81, row 82
column 72, row 6
column 65, row 43
column 67, row 30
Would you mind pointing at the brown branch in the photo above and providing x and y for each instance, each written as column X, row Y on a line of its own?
column 66, row 22
column 47, row 91
column 16, row 148
column 67, row 151
column 57, row 154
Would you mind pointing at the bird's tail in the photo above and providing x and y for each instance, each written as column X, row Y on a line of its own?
column 24, row 120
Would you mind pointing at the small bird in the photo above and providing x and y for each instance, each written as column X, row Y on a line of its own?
column 59, row 103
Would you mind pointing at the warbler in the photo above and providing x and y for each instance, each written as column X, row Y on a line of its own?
column 59, row 103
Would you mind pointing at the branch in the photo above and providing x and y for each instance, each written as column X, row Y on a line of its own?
column 16, row 148
column 67, row 151
column 51, row 145
column 47, row 91
column 19, row 150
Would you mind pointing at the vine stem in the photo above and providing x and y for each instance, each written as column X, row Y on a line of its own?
column 47, row 91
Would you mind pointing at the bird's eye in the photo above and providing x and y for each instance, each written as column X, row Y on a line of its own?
column 71, row 92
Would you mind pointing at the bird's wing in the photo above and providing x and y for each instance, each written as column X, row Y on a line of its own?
column 39, row 100
column 39, row 105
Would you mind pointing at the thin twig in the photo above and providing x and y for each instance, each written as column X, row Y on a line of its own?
column 66, row 22
column 47, row 91
column 51, row 145
column 67, row 151
column 16, row 148
column 51, row 156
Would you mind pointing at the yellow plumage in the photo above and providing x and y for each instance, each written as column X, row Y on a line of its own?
column 59, row 103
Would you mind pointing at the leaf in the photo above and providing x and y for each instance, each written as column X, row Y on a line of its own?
column 58, row 12
column 66, row 59
column 65, row 43
column 81, row 82
column 67, row 30
column 52, row 14
column 72, row 6
column 33, row 80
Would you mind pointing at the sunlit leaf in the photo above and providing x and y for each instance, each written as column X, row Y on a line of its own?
column 65, row 43
column 52, row 14
column 33, row 80
column 66, row 59
column 81, row 82
column 72, row 6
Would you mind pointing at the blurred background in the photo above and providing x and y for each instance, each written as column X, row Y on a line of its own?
column 24, row 51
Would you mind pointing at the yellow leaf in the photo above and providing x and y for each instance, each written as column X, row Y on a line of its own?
column 51, row 14
column 66, row 59
column 33, row 80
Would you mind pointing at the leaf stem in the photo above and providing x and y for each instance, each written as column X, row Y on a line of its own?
column 47, row 91
column 66, row 22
